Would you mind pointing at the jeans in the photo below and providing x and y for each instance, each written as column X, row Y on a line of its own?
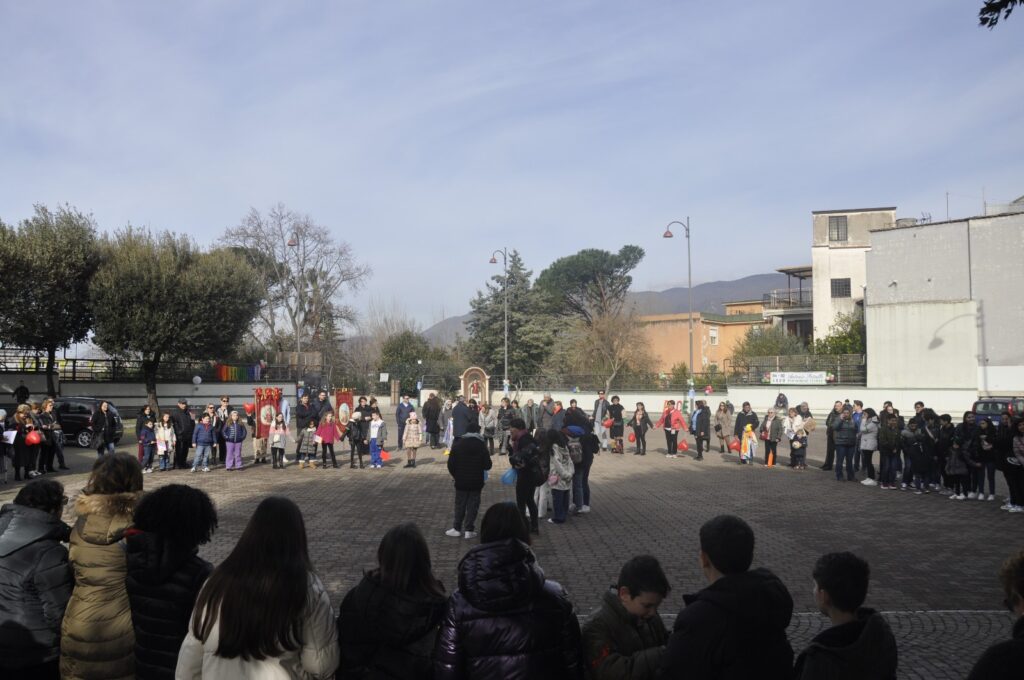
column 560, row 501
column 165, row 460
column 467, row 504
column 670, row 441
column 844, row 454
column 105, row 448
column 375, row 459
column 869, row 468
column 233, row 458
column 887, row 461
column 202, row 459
column 524, row 499
column 581, row 484
column 147, row 455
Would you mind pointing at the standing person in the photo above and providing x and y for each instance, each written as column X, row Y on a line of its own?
column 53, row 429
column 35, row 579
column 165, row 572
column 771, row 434
column 558, row 417
column 671, row 422
column 376, row 438
column 220, row 417
column 745, row 417
column 530, row 415
column 985, row 454
column 104, row 429
column 467, row 464
column 306, row 446
column 790, row 426
column 488, row 425
column 736, row 626
column 615, row 431
column 431, row 414
column 599, row 415
column 387, row 624
column 203, row 438
column 640, row 422
column 444, row 423
column 526, row 628
column 1003, row 661
column 868, row 443
column 724, row 424
column 145, row 413
column 462, row 417
column 412, row 439
column 625, row 638
column 97, row 635
column 560, row 478
column 958, row 468
column 504, row 422
column 234, row 433
column 842, row 435
column 402, row 412
column 183, row 428
column 263, row 613
column 1014, row 470
column 25, row 454
column 830, row 444
column 524, row 459
column 574, row 415
column 860, row 643
column 889, row 445
column 278, row 441
column 702, row 430
column 545, row 412
column 147, row 439
column 328, row 432
column 964, row 441
column 165, row 441
column 943, row 447
column 589, row 446
column 322, row 406
column 748, row 445
column 304, row 414
column 217, row 425
column 358, row 433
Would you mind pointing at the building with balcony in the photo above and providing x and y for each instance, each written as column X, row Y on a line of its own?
column 792, row 307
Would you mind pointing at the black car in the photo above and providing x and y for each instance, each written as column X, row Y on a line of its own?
column 75, row 414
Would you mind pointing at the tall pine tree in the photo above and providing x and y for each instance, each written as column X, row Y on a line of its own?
column 530, row 331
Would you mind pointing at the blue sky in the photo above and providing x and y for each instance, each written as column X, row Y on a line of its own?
column 429, row 134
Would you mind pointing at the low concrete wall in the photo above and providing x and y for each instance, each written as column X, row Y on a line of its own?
column 821, row 399
column 133, row 395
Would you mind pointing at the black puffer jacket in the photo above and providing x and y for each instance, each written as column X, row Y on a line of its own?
column 733, row 630
column 384, row 634
column 163, row 583
column 35, row 584
column 506, row 621
column 467, row 462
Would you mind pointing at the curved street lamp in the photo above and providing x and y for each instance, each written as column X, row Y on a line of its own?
column 494, row 260
column 689, row 283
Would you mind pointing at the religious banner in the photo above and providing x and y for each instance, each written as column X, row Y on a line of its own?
column 343, row 397
column 267, row 401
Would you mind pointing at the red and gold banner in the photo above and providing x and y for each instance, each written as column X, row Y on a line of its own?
column 343, row 397
column 268, row 400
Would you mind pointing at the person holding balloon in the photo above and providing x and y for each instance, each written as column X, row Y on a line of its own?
column 615, row 412
column 672, row 420
column 640, row 422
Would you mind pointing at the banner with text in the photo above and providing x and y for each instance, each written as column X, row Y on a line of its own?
column 798, row 378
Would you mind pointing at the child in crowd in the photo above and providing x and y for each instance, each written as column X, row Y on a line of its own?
column 560, row 479
column 278, row 441
column 913, row 449
column 165, row 441
column 203, row 438
column 640, row 422
column 378, row 434
column 888, row 451
column 147, row 437
column 327, row 433
column 234, row 433
column 615, row 432
column 412, row 439
column 748, row 447
column 307, row 445
column 165, row 572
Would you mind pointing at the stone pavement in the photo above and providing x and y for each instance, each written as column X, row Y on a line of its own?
column 934, row 561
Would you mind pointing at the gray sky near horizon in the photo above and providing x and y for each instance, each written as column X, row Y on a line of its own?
column 429, row 134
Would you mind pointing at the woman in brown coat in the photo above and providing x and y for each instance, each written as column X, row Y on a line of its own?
column 97, row 638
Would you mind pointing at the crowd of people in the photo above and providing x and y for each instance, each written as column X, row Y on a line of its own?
column 131, row 598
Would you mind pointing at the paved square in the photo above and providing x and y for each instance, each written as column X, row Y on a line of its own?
column 934, row 561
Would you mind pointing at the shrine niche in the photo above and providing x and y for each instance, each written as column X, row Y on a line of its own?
column 476, row 384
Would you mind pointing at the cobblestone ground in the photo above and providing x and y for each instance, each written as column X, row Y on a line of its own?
column 934, row 561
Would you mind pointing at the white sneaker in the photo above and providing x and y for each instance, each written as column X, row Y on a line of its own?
column 869, row 482
column 585, row 509
column 206, row 469
column 1005, row 506
column 454, row 533
column 970, row 496
column 981, row 496
column 572, row 507
column 470, row 534
column 961, row 497
column 193, row 469
column 146, row 471
column 1016, row 508
column 991, row 497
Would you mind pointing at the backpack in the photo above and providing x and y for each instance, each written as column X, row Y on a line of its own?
column 575, row 450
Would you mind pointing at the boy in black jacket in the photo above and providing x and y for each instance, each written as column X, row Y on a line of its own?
column 467, row 463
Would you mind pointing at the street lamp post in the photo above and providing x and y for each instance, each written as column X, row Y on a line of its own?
column 689, row 283
column 494, row 260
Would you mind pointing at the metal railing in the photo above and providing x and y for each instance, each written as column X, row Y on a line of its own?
column 787, row 298
column 633, row 382
column 839, row 369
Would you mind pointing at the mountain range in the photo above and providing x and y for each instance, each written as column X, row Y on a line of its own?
column 707, row 297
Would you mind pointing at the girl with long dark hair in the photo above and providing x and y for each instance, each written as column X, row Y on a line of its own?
column 263, row 612
column 388, row 623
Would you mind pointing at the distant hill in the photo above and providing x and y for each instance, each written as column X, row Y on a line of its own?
column 707, row 297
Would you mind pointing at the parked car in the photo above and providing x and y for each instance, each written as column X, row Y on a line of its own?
column 993, row 407
column 75, row 414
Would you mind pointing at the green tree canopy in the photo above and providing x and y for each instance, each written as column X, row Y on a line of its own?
column 53, row 255
column 845, row 336
column 767, row 341
column 992, row 10
column 592, row 283
column 157, row 296
column 530, row 331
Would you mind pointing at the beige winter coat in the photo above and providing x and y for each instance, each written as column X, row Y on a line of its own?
column 412, row 436
column 318, row 657
column 97, row 638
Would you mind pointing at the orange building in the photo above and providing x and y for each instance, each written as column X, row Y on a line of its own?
column 714, row 335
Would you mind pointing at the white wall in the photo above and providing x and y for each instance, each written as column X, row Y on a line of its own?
column 821, row 399
column 133, row 395
column 835, row 263
column 922, row 345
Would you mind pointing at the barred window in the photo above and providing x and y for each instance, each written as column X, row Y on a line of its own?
column 840, row 288
column 836, row 228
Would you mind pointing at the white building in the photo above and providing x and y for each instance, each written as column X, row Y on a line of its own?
column 841, row 240
column 945, row 307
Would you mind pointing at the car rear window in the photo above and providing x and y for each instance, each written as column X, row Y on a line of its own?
column 990, row 407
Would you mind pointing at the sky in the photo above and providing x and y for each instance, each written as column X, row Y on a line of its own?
column 429, row 134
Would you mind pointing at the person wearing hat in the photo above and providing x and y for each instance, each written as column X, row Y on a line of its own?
column 411, row 438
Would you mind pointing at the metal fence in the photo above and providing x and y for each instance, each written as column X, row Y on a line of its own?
column 633, row 382
column 839, row 369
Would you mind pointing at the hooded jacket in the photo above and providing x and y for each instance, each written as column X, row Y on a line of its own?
column 97, row 637
column 507, row 621
column 35, row 584
column 163, row 582
column 467, row 462
column 620, row 645
column 1004, row 660
column 385, row 634
column 734, row 629
column 864, row 649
